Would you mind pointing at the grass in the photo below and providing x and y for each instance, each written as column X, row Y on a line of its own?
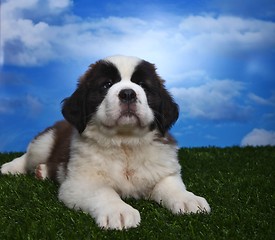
column 238, row 183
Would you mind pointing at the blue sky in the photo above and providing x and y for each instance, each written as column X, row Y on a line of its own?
column 217, row 58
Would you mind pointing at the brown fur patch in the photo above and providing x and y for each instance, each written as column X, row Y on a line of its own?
column 61, row 149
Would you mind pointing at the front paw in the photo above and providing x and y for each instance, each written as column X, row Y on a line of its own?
column 118, row 216
column 187, row 202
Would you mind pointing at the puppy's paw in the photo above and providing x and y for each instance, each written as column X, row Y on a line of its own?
column 17, row 166
column 118, row 216
column 187, row 202
column 41, row 171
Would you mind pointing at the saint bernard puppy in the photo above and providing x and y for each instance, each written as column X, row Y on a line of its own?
column 113, row 144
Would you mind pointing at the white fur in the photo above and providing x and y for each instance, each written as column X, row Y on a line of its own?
column 97, row 178
column 116, row 157
column 182, row 200
column 102, row 177
column 38, row 152
column 108, row 114
column 16, row 166
column 125, row 65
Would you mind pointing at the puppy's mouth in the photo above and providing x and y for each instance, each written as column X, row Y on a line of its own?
column 128, row 115
column 126, row 120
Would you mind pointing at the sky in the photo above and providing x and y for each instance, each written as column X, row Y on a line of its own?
column 217, row 58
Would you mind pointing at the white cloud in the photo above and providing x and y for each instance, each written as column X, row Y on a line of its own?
column 34, row 105
column 29, row 104
column 225, row 35
column 231, row 26
column 14, row 9
column 212, row 100
column 259, row 137
column 262, row 101
column 27, row 40
column 176, row 45
column 60, row 4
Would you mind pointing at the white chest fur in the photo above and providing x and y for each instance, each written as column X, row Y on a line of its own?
column 132, row 171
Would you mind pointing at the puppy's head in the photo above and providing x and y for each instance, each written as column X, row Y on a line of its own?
column 122, row 95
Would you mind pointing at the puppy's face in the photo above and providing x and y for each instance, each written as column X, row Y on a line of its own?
column 121, row 95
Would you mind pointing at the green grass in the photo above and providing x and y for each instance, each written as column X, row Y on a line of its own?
column 238, row 183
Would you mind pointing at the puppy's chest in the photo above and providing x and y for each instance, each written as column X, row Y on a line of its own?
column 131, row 171
column 134, row 172
column 130, row 165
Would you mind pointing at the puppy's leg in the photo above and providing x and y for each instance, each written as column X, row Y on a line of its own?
column 172, row 193
column 37, row 153
column 101, row 201
column 16, row 166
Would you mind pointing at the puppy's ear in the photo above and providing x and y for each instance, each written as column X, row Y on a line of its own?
column 74, row 109
column 168, row 112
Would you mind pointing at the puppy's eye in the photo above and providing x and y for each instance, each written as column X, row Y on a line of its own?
column 107, row 84
column 141, row 83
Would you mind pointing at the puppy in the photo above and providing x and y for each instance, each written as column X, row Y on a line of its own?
column 113, row 144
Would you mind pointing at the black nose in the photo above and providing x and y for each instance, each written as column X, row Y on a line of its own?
column 127, row 95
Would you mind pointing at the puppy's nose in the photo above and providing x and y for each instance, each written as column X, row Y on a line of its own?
column 127, row 95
